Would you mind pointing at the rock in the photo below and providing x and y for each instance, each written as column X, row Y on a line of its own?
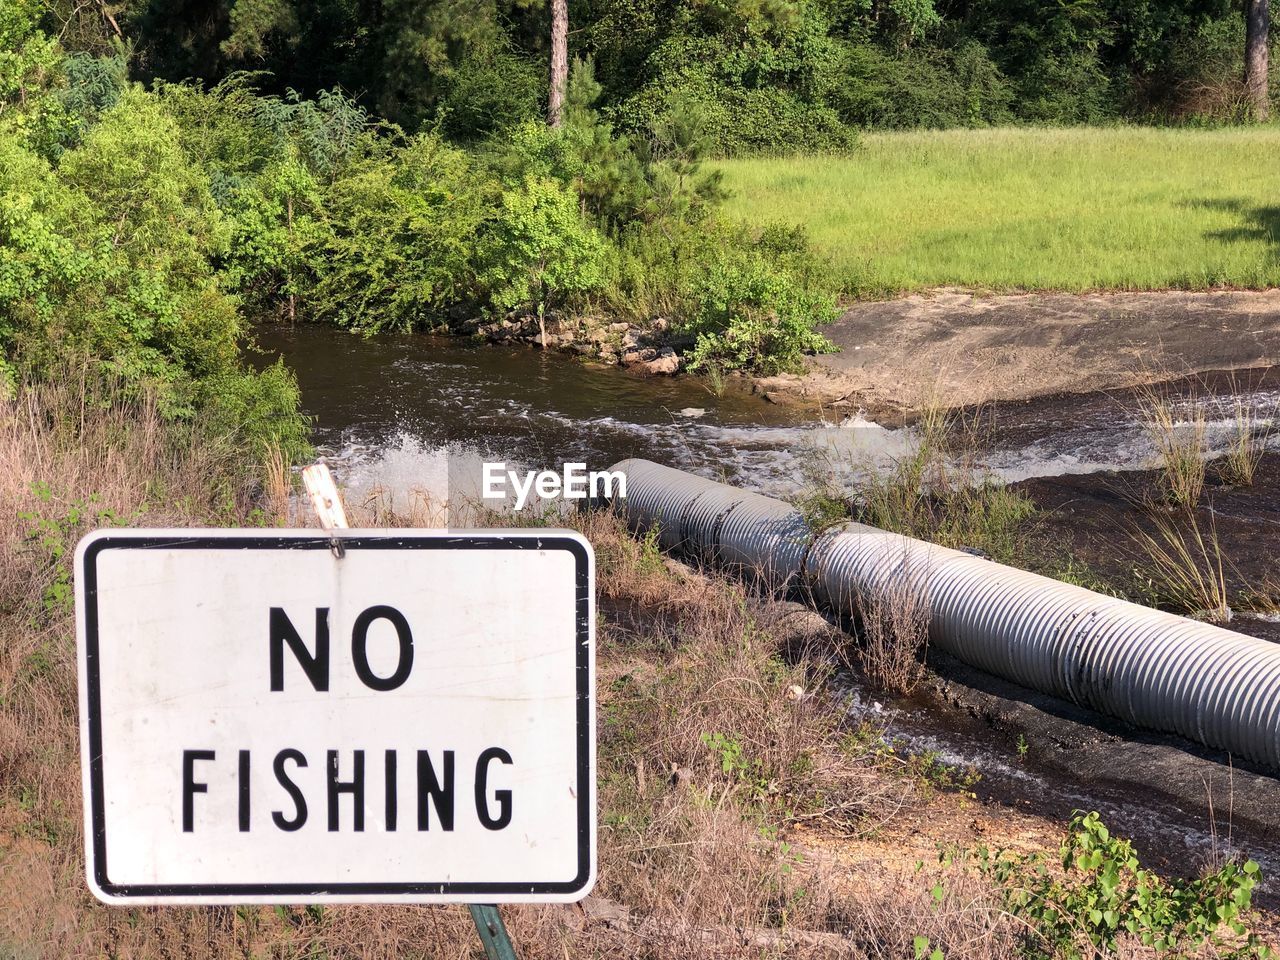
column 664, row 364
column 661, row 324
column 619, row 327
column 781, row 398
column 634, row 355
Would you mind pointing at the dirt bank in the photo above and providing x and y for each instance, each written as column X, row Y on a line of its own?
column 966, row 348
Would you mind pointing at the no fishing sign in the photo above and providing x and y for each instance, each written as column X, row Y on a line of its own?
column 265, row 719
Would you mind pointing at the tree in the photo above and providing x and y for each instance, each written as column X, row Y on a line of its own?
column 559, row 61
column 1257, row 19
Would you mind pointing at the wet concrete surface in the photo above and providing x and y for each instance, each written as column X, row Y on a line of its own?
column 1097, row 520
column 1179, row 801
column 964, row 348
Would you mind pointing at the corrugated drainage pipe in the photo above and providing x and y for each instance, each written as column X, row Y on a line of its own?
column 1150, row 668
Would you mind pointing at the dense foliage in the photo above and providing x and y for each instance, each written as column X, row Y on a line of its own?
column 111, row 242
column 174, row 170
column 144, row 226
column 775, row 74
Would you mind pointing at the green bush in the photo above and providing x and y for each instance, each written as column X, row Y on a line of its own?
column 255, row 410
column 1103, row 894
column 537, row 250
column 110, row 257
column 490, row 93
column 925, row 88
column 749, row 315
column 400, row 253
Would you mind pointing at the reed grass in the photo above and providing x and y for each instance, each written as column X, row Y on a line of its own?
column 1181, row 444
column 1185, row 568
column 939, row 491
column 1249, row 436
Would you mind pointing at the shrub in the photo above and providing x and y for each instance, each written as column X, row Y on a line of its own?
column 490, row 93
column 751, row 316
column 537, row 250
column 109, row 260
column 400, row 251
column 1103, row 895
column 925, row 88
column 111, row 256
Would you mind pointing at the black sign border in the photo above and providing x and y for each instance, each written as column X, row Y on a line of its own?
column 483, row 892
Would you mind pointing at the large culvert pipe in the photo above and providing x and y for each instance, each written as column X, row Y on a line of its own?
column 1150, row 668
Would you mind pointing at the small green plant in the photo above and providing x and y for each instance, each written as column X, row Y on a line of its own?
column 921, row 947
column 822, row 509
column 1023, row 746
column 733, row 761
column 650, row 547
column 55, row 536
column 934, row 773
column 1102, row 895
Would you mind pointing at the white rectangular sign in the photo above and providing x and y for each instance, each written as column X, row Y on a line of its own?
column 264, row 721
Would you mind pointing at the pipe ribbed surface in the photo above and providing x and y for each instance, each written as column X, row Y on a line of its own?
column 1150, row 668
column 714, row 521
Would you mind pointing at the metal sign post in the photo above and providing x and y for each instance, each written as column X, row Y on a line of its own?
column 346, row 716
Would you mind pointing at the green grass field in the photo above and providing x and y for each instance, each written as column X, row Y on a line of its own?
column 1034, row 209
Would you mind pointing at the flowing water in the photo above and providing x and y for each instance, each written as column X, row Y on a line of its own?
column 389, row 407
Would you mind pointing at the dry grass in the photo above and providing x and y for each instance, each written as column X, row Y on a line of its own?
column 713, row 745
column 72, row 459
column 894, row 622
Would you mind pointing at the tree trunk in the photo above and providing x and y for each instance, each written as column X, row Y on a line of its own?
column 1257, row 24
column 560, row 60
column 292, row 308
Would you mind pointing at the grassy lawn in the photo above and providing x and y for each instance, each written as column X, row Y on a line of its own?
column 1077, row 209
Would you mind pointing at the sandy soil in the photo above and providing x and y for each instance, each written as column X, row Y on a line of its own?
column 966, row 349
